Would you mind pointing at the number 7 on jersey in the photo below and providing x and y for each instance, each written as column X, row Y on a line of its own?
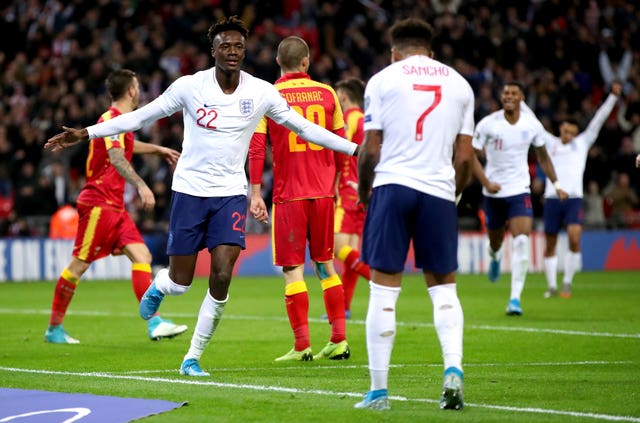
column 437, row 96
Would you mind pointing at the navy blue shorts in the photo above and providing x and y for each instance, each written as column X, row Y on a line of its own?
column 558, row 213
column 205, row 222
column 499, row 210
column 396, row 216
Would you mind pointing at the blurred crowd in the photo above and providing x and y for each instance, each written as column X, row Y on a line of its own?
column 55, row 56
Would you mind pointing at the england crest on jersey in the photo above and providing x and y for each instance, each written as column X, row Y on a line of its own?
column 246, row 107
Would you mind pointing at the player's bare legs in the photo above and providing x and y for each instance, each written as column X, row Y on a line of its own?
column 520, row 227
column 496, row 237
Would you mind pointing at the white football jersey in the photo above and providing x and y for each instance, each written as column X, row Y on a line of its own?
column 218, row 128
column 421, row 105
column 506, row 148
column 569, row 159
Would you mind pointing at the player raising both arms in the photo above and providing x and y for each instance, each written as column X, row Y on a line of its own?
column 568, row 153
column 221, row 107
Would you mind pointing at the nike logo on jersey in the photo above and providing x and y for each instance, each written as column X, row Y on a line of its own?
column 208, row 105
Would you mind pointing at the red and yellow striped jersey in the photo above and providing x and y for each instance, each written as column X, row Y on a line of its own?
column 105, row 186
column 301, row 170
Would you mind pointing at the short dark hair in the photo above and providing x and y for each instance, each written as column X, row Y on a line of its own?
column 571, row 121
column 412, row 32
column 232, row 23
column 118, row 82
column 515, row 83
column 354, row 89
column 291, row 51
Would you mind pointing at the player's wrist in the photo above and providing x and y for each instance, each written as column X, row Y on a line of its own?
column 557, row 185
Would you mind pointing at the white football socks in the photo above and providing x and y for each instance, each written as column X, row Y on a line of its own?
column 448, row 320
column 551, row 271
column 519, row 264
column 381, row 332
column 165, row 285
column 209, row 316
column 572, row 263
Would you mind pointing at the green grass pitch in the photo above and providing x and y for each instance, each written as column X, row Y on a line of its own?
column 564, row 360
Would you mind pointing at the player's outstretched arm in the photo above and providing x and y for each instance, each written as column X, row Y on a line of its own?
column 169, row 154
column 318, row 135
column 67, row 138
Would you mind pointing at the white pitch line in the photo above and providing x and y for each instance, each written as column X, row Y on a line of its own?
column 395, row 366
column 356, row 322
column 267, row 388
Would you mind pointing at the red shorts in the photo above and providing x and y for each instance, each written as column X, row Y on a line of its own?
column 349, row 221
column 102, row 231
column 293, row 221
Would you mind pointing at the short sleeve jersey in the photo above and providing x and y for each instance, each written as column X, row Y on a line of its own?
column 420, row 105
column 506, row 147
column 302, row 170
column 217, row 130
column 105, row 186
column 354, row 128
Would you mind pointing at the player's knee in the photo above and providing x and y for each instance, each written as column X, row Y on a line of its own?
column 321, row 270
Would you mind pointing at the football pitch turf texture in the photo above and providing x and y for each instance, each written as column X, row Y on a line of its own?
column 564, row 360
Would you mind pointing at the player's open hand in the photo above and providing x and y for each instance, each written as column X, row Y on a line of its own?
column 493, row 187
column 170, row 155
column 69, row 137
column 616, row 88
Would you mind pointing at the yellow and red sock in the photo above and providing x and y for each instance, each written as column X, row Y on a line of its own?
column 140, row 278
column 334, row 304
column 351, row 259
column 65, row 287
column 349, row 281
column 296, row 299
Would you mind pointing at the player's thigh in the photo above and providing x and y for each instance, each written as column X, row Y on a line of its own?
column 98, row 230
column 187, row 224
column 495, row 211
column 574, row 214
column 321, row 212
column 520, row 214
column 553, row 215
column 435, row 239
column 225, row 221
column 390, row 221
column 289, row 228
